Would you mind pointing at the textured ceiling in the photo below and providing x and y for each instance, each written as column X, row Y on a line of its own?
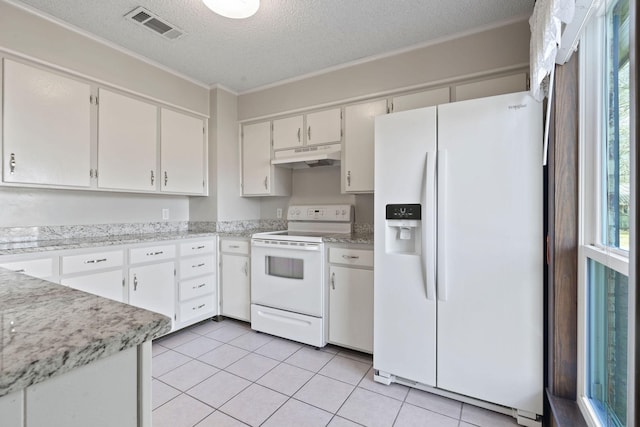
column 284, row 39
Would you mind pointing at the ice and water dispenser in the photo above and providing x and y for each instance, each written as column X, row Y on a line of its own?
column 404, row 229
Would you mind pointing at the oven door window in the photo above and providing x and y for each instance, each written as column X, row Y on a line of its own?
column 290, row 268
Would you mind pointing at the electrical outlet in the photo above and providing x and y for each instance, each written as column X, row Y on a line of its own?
column 279, row 213
column 165, row 214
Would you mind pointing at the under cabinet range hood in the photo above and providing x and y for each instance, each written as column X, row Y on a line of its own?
column 306, row 157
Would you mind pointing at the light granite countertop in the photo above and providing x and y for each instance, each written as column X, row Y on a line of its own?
column 354, row 238
column 16, row 248
column 49, row 329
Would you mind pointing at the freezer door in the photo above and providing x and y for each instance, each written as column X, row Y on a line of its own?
column 490, row 256
column 404, row 273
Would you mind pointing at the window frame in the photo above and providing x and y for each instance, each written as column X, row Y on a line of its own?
column 590, row 245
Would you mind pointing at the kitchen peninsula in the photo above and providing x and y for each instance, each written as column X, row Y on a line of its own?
column 72, row 358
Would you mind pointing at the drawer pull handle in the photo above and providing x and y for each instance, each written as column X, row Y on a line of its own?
column 95, row 261
column 195, row 248
column 135, row 282
column 198, row 265
column 333, row 280
column 19, row 271
column 199, row 286
column 350, row 257
column 234, row 246
column 198, row 307
column 155, row 253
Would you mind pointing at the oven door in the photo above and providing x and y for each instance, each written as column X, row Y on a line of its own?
column 288, row 276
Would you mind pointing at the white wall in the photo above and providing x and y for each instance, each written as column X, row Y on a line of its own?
column 24, row 34
column 495, row 50
column 24, row 207
column 224, row 202
column 499, row 51
column 319, row 185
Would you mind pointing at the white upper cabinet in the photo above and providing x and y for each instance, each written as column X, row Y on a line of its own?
column 47, row 132
column 427, row 98
column 182, row 153
column 357, row 169
column 127, row 143
column 324, row 127
column 259, row 177
column 288, row 133
column 256, row 159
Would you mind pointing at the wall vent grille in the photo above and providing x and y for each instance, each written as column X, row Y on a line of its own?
column 153, row 22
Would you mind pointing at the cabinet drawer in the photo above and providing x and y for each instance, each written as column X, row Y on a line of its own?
column 359, row 257
column 196, row 287
column 195, row 248
column 235, row 246
column 197, row 307
column 92, row 261
column 151, row 253
column 35, row 267
column 196, row 266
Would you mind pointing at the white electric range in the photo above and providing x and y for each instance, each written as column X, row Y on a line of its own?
column 288, row 292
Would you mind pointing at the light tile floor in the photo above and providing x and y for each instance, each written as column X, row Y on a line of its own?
column 223, row 374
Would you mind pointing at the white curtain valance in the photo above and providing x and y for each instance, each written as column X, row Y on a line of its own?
column 546, row 34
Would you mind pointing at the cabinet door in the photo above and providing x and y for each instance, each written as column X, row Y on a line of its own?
column 427, row 98
column 357, row 171
column 256, row 159
column 351, row 307
column 182, row 153
column 324, row 127
column 46, row 127
column 235, row 288
column 288, row 133
column 109, row 284
column 152, row 287
column 127, row 142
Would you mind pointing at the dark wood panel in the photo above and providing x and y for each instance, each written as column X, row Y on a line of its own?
column 563, row 288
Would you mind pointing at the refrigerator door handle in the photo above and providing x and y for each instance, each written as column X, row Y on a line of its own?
column 428, row 227
column 442, row 213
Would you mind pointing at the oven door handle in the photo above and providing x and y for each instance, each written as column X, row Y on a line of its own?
column 283, row 244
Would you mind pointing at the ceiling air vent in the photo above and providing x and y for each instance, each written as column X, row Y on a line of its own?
column 153, row 22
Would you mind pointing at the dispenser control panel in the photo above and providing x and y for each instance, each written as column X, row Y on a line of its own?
column 405, row 211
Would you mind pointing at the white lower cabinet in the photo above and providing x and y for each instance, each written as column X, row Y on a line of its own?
column 107, row 284
column 351, row 298
column 176, row 278
column 43, row 268
column 235, row 282
column 152, row 287
column 101, row 394
column 197, row 293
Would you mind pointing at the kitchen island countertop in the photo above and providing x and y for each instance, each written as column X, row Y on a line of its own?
column 48, row 329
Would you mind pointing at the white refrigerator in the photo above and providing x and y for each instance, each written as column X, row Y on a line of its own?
column 458, row 286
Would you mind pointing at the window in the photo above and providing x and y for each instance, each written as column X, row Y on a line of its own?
column 604, row 292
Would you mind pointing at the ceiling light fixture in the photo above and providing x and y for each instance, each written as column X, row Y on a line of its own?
column 235, row 9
